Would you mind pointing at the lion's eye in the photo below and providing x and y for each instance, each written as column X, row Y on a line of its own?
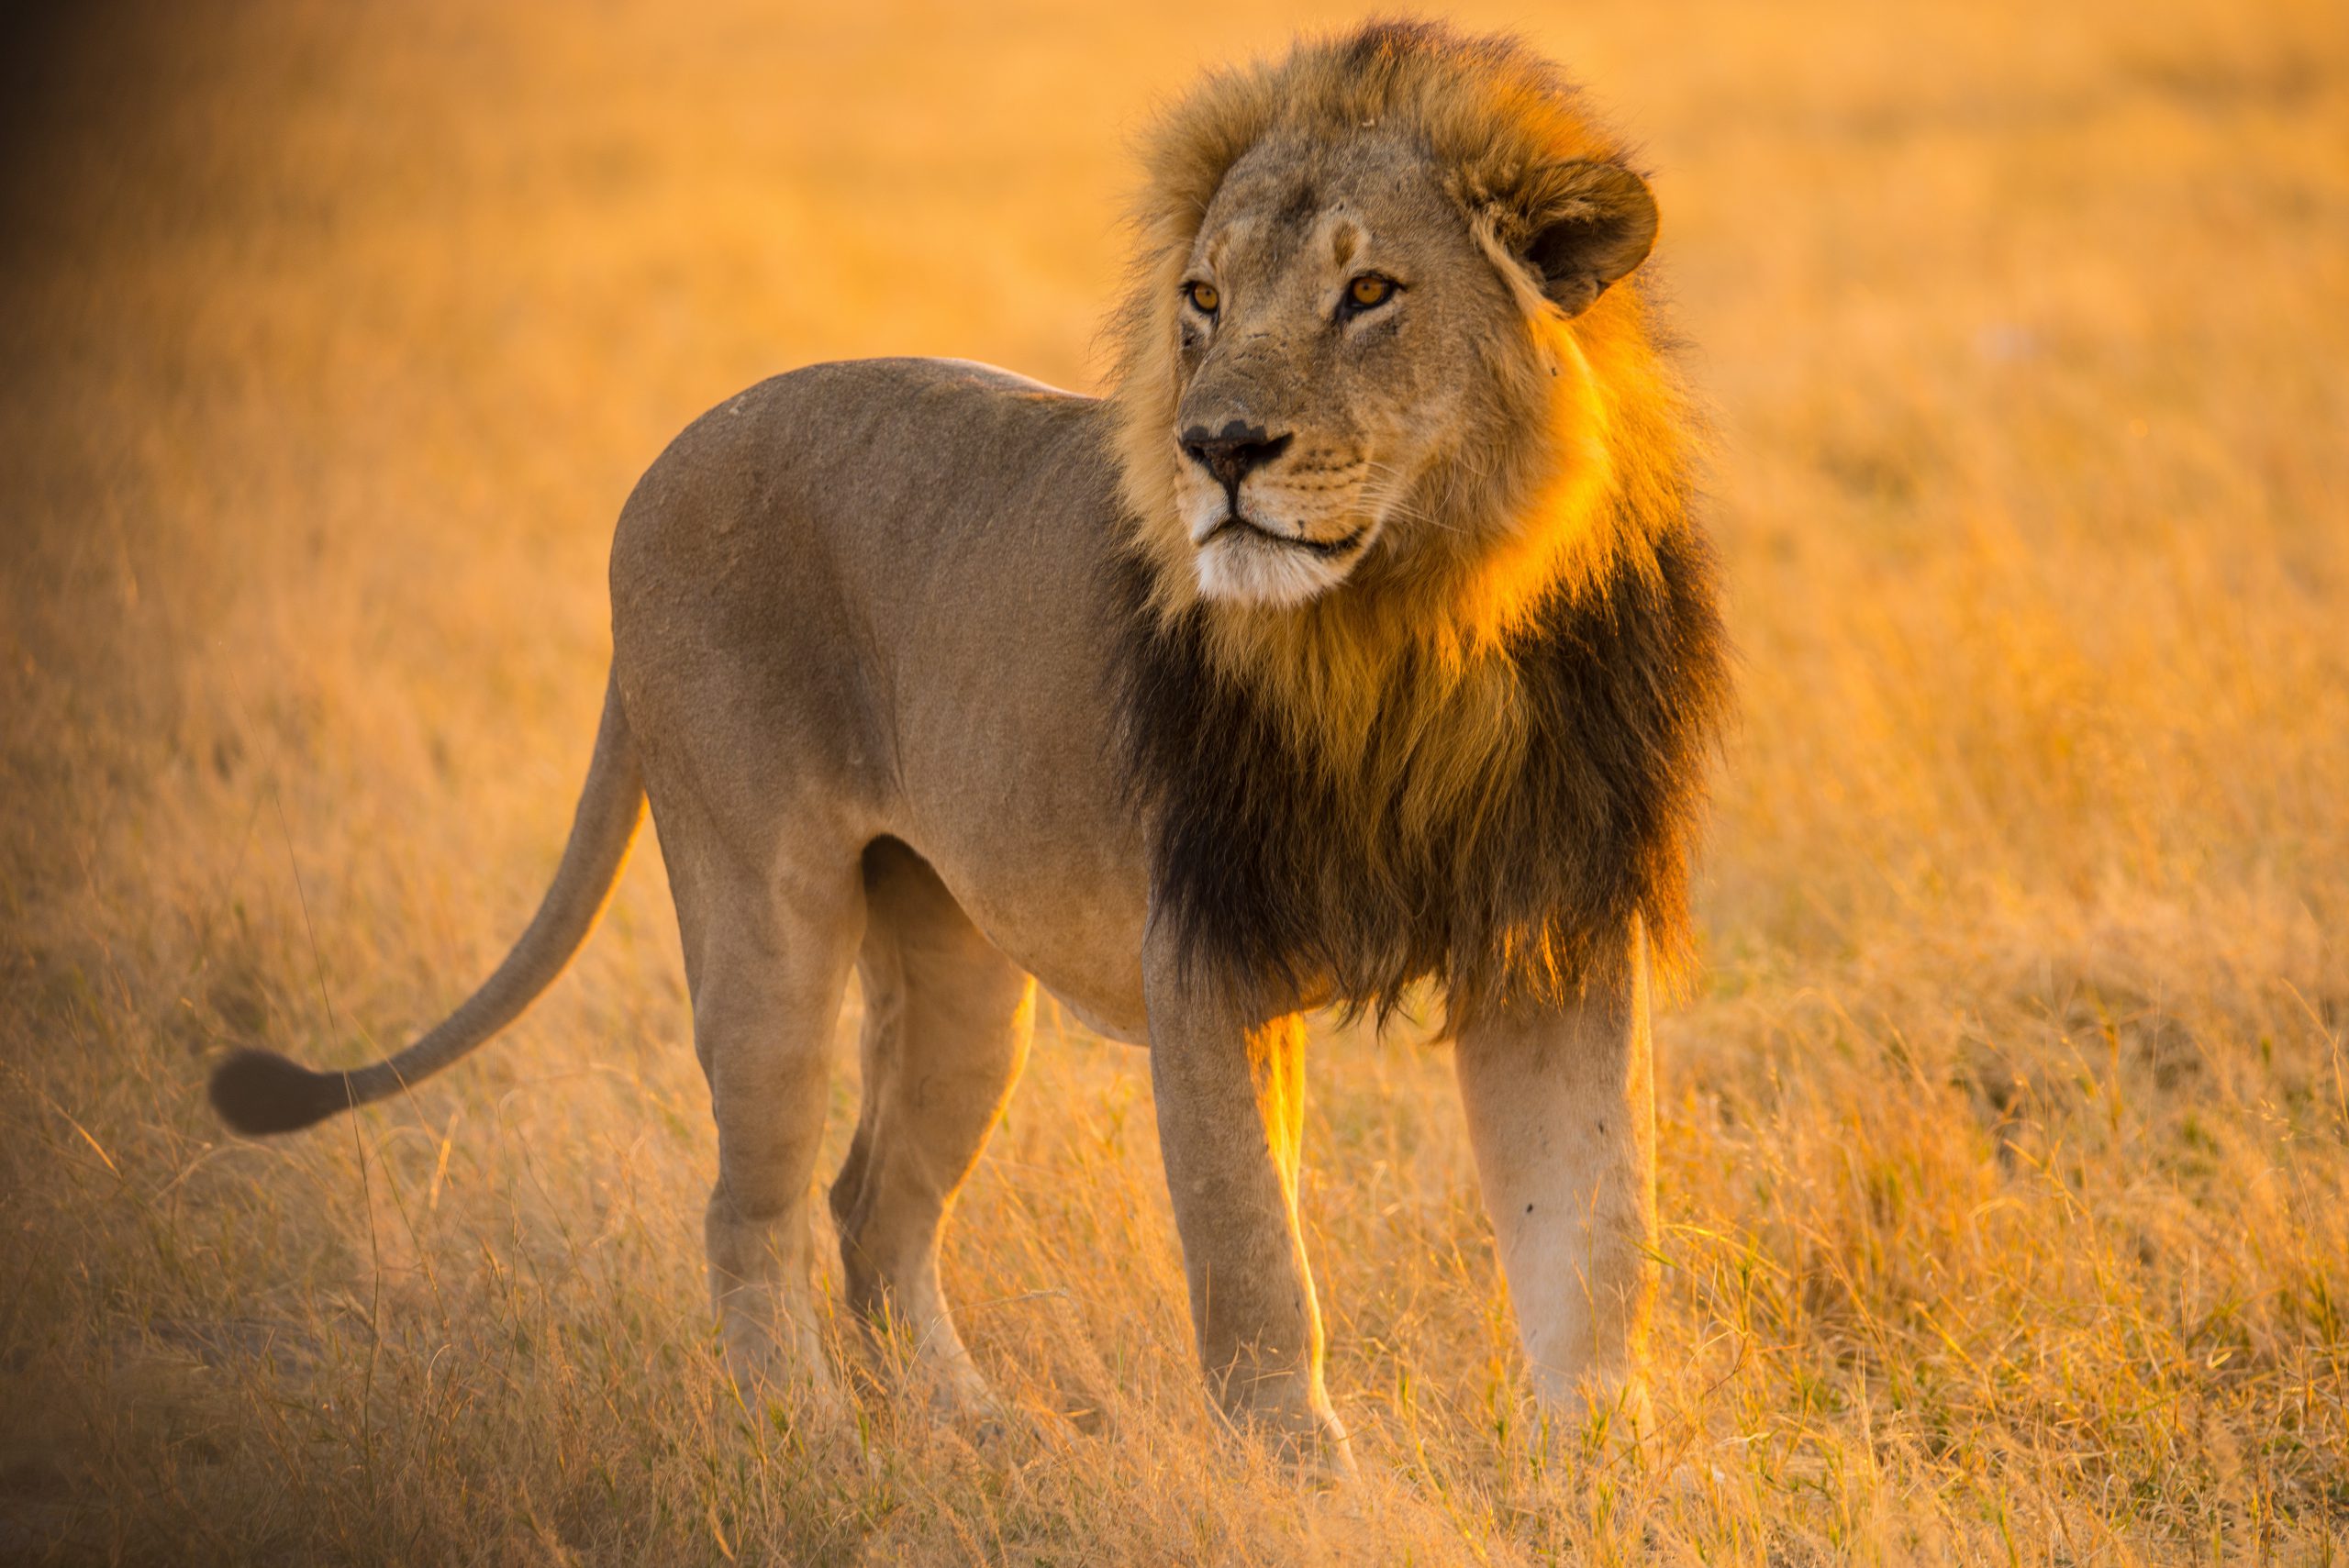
column 1204, row 298
column 1369, row 292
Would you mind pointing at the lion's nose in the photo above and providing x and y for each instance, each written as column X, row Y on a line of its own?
column 1234, row 454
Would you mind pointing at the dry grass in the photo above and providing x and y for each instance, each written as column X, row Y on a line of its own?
column 2006, row 1155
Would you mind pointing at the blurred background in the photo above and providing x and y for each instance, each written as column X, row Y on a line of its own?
column 2005, row 1181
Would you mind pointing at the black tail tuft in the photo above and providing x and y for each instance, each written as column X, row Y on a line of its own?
column 258, row 1091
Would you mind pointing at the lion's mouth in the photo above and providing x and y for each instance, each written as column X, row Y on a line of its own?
column 1325, row 547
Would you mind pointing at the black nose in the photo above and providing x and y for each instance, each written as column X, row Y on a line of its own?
column 1234, row 454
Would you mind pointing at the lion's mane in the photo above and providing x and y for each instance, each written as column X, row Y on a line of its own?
column 1480, row 762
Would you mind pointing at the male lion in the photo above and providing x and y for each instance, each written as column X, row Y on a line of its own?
column 1360, row 636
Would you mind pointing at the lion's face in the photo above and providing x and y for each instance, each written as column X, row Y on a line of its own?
column 1345, row 338
column 1324, row 355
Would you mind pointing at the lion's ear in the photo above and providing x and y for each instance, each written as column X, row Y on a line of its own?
column 1589, row 224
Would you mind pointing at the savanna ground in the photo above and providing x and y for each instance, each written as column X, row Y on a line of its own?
column 2005, row 1144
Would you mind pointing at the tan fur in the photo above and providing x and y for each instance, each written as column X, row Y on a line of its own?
column 870, row 623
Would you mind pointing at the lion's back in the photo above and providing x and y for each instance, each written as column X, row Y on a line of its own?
column 823, row 558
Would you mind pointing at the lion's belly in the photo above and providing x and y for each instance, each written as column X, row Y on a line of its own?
column 1125, row 1033
column 1068, row 908
column 1093, row 969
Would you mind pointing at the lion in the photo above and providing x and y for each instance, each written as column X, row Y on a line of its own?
column 1361, row 638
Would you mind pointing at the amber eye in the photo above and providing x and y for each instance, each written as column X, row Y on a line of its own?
column 1369, row 291
column 1204, row 298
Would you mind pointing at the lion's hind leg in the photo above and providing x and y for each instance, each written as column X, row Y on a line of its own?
column 946, row 1029
column 767, row 958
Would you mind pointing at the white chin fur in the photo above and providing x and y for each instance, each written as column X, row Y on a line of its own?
column 1250, row 571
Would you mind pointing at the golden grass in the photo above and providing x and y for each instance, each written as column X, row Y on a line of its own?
column 2005, row 1155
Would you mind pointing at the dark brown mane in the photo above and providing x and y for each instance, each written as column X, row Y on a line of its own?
column 1274, row 873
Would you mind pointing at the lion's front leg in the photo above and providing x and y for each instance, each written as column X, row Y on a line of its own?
column 1561, row 1109
column 1230, row 1116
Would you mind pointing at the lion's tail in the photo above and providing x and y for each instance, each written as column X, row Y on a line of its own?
column 259, row 1091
